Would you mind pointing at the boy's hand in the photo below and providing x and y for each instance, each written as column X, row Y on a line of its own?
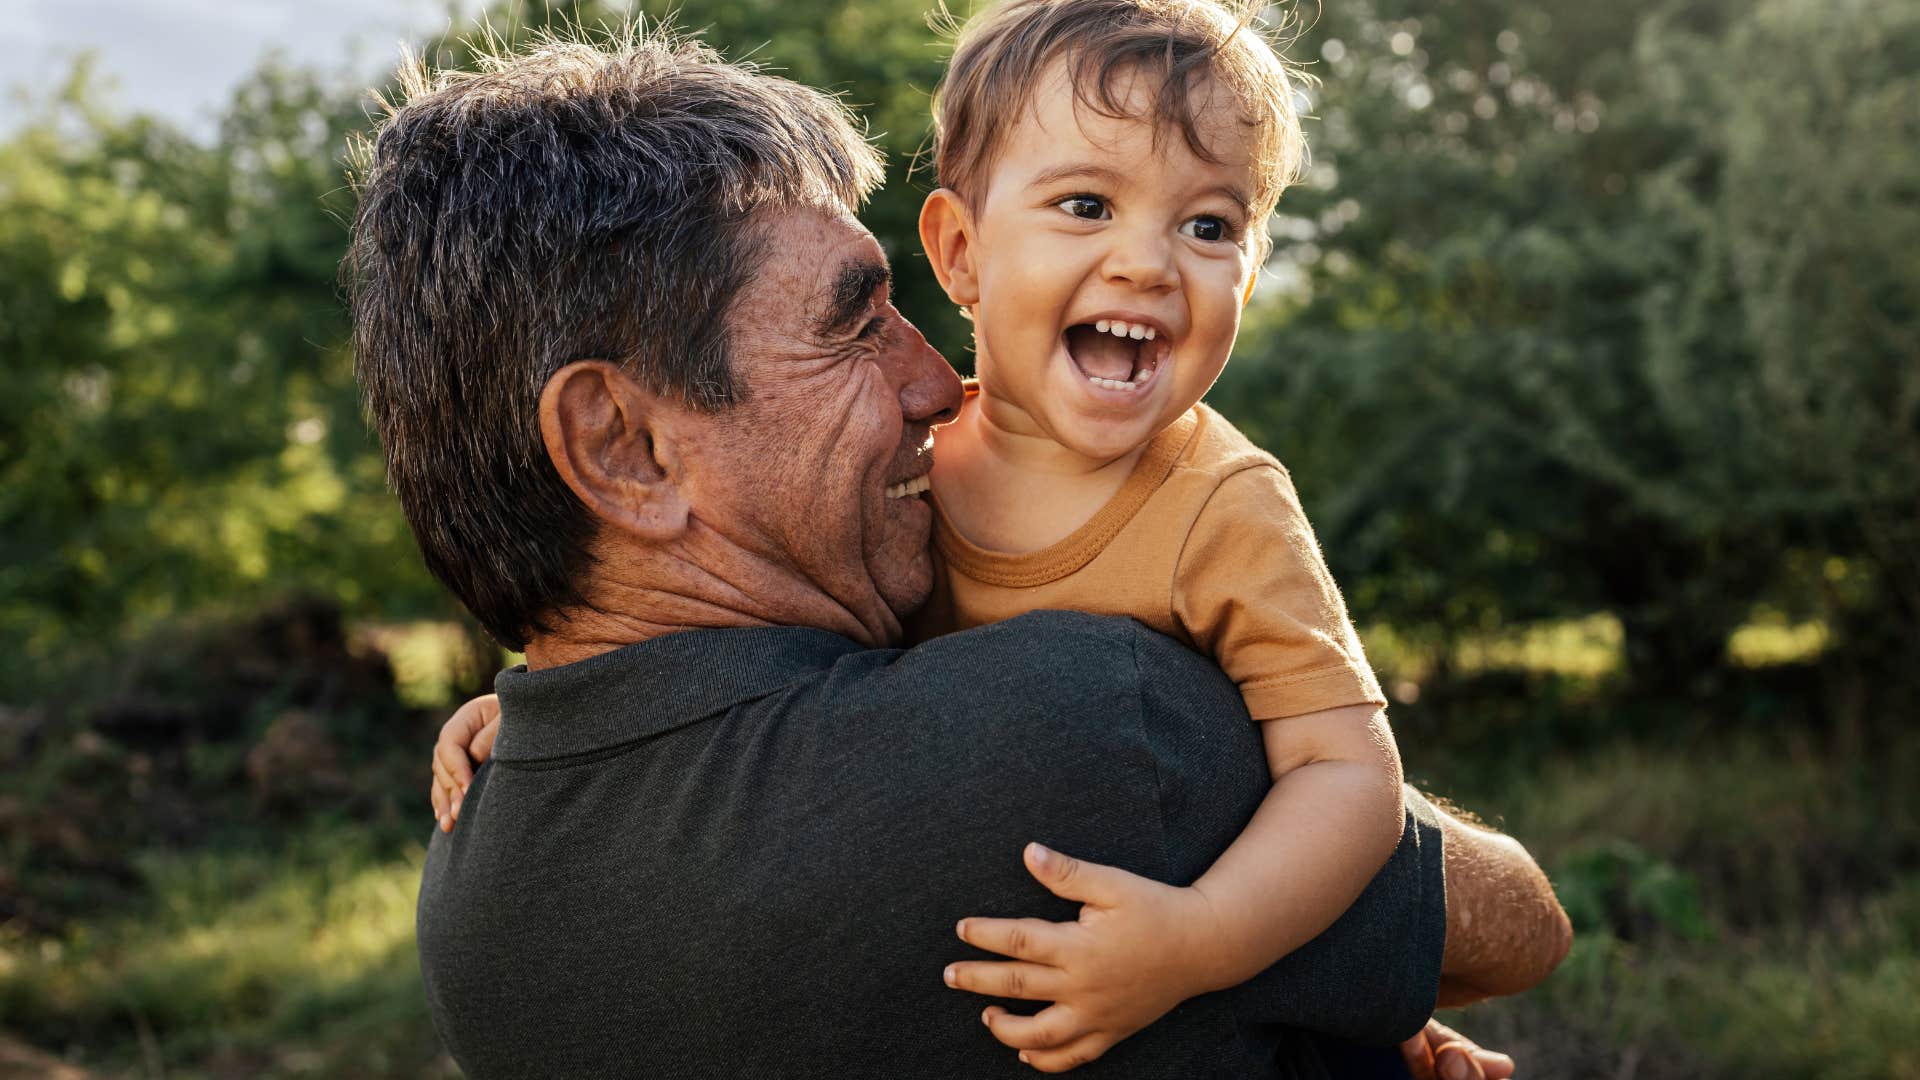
column 468, row 733
column 1137, row 950
column 1441, row 1053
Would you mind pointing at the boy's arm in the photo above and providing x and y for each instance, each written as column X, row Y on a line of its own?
column 1499, row 931
column 1504, row 932
column 1331, row 821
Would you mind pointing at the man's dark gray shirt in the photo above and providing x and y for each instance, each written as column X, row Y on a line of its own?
column 743, row 852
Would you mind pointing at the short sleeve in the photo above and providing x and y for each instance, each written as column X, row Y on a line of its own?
column 1252, row 590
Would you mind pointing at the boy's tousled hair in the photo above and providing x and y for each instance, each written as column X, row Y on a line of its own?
column 1001, row 56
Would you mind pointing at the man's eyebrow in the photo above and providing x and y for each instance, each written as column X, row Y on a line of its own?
column 853, row 290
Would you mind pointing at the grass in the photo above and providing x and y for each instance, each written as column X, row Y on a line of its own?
column 1746, row 909
column 294, row 962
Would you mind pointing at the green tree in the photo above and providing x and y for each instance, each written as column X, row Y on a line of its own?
column 1588, row 310
column 181, row 428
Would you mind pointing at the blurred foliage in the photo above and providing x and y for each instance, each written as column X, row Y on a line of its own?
column 1582, row 310
column 1607, row 308
column 181, row 427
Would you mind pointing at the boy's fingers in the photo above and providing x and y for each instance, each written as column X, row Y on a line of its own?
column 482, row 747
column 1438, row 1033
column 444, row 777
column 442, row 808
column 1418, row 1053
column 454, row 759
column 1081, row 1051
column 1051, row 1027
column 1076, row 879
column 468, row 719
column 456, row 791
column 1452, row 1061
column 437, row 798
column 1029, row 982
column 1495, row 1064
column 1445, row 1044
column 1023, row 939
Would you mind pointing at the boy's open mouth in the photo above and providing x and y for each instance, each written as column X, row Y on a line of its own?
column 1116, row 355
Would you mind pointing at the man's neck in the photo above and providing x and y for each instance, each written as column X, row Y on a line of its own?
column 707, row 584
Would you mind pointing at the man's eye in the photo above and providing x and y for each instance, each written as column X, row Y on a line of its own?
column 1087, row 207
column 873, row 328
column 1208, row 227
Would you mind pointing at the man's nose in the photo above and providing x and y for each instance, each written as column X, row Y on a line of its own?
column 929, row 389
column 1141, row 257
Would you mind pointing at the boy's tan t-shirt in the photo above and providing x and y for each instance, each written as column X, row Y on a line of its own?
column 1206, row 543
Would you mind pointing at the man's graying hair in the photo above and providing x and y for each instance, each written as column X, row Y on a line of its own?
column 574, row 200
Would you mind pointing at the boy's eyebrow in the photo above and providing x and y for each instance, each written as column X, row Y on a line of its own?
column 853, row 289
column 1234, row 194
column 1091, row 171
column 1075, row 172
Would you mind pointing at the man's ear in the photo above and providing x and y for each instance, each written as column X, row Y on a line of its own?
column 605, row 434
column 946, row 232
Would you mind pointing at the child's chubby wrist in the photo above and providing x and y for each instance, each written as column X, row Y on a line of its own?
column 1210, row 957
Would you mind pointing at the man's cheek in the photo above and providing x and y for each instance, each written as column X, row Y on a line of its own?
column 906, row 584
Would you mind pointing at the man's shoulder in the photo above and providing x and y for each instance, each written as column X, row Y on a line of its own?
column 1063, row 644
column 1053, row 659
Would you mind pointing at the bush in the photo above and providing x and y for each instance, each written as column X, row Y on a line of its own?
column 1606, row 311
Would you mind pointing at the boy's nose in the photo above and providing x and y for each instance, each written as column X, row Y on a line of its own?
column 1143, row 260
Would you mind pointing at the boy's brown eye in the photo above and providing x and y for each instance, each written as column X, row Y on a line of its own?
column 1206, row 227
column 1088, row 207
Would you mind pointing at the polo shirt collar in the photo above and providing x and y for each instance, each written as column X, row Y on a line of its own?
column 650, row 687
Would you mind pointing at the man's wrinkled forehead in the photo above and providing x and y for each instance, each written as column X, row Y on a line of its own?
column 820, row 271
column 851, row 275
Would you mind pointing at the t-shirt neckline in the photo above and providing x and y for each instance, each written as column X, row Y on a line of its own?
column 1078, row 548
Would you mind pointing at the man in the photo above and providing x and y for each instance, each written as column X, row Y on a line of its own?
column 653, row 418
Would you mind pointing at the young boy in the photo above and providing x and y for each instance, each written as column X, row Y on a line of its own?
column 1107, row 168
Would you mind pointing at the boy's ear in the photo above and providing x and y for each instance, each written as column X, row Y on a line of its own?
column 1246, row 295
column 946, row 233
column 609, row 439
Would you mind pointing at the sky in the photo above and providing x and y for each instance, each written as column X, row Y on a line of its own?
column 182, row 58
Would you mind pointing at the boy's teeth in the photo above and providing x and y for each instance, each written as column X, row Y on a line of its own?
column 1112, row 384
column 1123, row 329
